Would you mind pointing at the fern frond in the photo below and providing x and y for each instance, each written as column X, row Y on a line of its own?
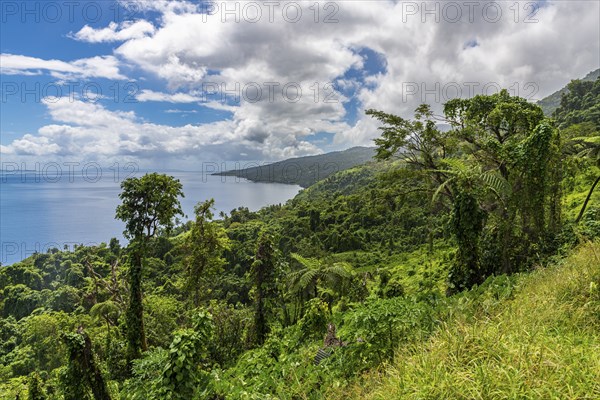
column 439, row 190
column 496, row 182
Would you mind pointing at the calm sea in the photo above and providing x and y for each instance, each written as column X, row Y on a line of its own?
column 41, row 212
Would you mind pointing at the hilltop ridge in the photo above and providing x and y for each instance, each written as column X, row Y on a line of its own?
column 305, row 171
column 552, row 102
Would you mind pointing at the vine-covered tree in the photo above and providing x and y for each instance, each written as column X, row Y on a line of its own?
column 511, row 172
column 183, row 377
column 83, row 375
column 35, row 387
column 592, row 152
column 204, row 245
column 265, row 288
column 149, row 203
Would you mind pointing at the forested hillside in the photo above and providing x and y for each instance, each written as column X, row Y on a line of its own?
column 551, row 103
column 406, row 277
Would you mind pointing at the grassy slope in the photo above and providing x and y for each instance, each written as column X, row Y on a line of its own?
column 533, row 336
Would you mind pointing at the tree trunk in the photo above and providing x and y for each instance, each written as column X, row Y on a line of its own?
column 96, row 381
column 136, row 337
column 585, row 203
column 83, row 370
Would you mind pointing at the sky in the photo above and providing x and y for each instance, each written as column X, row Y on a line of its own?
column 174, row 84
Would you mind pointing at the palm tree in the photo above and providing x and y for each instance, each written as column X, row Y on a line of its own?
column 459, row 172
column 467, row 184
column 314, row 273
column 108, row 311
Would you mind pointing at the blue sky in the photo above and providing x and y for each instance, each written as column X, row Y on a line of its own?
column 167, row 72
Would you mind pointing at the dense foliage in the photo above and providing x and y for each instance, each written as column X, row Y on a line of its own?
column 551, row 103
column 499, row 171
column 300, row 300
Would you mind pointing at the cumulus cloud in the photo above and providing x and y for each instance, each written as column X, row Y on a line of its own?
column 91, row 131
column 33, row 146
column 115, row 32
column 182, row 98
column 163, row 6
column 428, row 52
column 94, row 67
column 150, row 95
column 528, row 50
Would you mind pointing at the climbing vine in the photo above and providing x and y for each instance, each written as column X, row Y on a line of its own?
column 82, row 378
column 183, row 377
column 467, row 225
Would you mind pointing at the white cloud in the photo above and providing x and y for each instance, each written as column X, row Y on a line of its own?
column 90, row 131
column 182, row 98
column 81, row 113
column 32, row 145
column 94, row 67
column 150, row 95
column 115, row 32
column 187, row 50
column 429, row 54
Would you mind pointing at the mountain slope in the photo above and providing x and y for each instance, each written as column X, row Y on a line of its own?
column 552, row 102
column 305, row 171
column 536, row 335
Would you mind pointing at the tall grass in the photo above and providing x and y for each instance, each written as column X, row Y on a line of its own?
column 535, row 336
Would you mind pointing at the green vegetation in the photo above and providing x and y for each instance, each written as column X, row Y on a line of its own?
column 460, row 264
column 551, row 103
column 149, row 204
column 529, row 336
column 498, row 171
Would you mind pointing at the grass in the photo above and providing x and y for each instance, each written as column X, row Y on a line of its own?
column 534, row 336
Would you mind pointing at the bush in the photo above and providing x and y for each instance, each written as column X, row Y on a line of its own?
column 233, row 329
column 374, row 330
column 590, row 223
column 313, row 324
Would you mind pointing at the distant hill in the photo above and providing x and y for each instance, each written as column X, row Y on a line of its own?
column 305, row 171
column 551, row 103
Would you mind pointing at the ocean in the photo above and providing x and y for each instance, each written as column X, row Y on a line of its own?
column 42, row 211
